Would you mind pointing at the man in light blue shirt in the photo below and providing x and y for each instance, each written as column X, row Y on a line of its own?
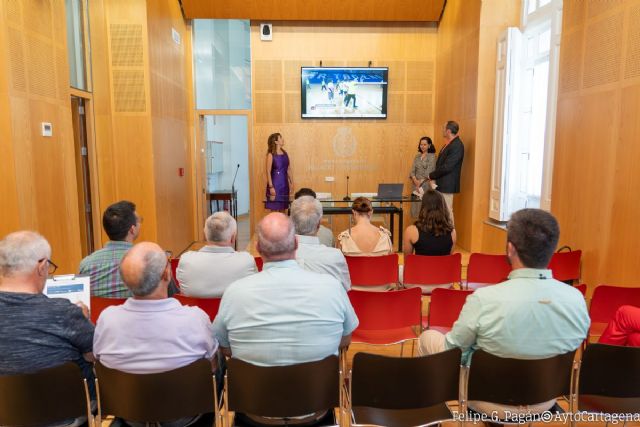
column 529, row 316
column 306, row 213
column 283, row 315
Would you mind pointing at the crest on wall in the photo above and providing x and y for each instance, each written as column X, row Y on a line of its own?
column 344, row 142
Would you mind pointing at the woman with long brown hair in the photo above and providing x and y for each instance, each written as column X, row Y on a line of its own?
column 279, row 179
column 433, row 232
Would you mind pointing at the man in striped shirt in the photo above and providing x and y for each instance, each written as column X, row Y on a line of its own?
column 122, row 224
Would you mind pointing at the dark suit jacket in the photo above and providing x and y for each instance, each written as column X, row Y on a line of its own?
column 448, row 167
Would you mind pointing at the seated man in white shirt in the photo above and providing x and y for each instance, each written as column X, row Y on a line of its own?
column 151, row 332
column 529, row 316
column 324, row 234
column 207, row 273
column 283, row 315
column 306, row 213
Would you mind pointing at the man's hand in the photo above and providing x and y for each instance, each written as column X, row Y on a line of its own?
column 85, row 309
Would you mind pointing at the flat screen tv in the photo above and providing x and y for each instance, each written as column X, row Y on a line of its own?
column 345, row 93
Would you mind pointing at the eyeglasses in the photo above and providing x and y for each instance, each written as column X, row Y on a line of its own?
column 52, row 265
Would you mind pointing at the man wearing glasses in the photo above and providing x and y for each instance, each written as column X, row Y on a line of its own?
column 122, row 224
column 37, row 332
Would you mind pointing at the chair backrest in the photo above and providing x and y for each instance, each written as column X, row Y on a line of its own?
column 565, row 266
column 259, row 262
column 611, row 371
column 445, row 306
column 405, row 382
column 487, row 268
column 44, row 397
column 387, row 310
column 174, row 267
column 283, row 391
column 607, row 299
column 519, row 381
column 99, row 303
column 582, row 287
column 373, row 271
column 152, row 397
column 208, row 305
column 432, row 270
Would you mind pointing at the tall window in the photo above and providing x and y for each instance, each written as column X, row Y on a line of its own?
column 525, row 110
column 77, row 43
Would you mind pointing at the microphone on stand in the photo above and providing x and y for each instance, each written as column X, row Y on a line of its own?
column 347, row 198
column 234, row 179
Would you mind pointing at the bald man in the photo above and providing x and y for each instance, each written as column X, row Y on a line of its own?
column 151, row 332
column 283, row 315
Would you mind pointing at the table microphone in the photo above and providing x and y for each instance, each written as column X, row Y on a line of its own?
column 347, row 198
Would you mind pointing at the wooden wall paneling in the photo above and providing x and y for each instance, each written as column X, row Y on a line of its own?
column 41, row 191
column 316, row 10
column 456, row 65
column 102, row 120
column 595, row 198
column 632, row 62
column 122, row 107
column 602, row 58
column 621, row 260
column 369, row 151
column 9, row 215
column 169, row 98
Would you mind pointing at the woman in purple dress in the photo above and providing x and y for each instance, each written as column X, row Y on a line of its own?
column 279, row 181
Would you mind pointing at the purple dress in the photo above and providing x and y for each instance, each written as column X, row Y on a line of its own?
column 280, row 180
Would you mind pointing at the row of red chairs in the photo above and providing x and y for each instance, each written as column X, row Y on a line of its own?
column 433, row 270
column 393, row 317
column 418, row 269
column 396, row 316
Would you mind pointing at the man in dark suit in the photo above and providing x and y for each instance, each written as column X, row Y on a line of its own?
column 449, row 164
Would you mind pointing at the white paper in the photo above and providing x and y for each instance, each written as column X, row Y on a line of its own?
column 71, row 287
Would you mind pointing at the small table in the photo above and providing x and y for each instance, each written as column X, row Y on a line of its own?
column 218, row 196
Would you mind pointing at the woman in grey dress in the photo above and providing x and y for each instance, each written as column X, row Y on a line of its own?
column 423, row 164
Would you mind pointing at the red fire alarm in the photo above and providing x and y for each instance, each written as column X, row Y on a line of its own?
column 180, row 171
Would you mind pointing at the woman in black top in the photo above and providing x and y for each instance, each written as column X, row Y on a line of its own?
column 433, row 232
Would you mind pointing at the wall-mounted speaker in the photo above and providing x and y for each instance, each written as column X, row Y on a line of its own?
column 266, row 32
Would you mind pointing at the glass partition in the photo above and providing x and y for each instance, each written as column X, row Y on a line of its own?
column 222, row 64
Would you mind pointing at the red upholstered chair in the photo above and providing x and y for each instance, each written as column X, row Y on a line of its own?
column 432, row 270
column 373, row 271
column 487, row 269
column 99, row 303
column 604, row 303
column 259, row 263
column 208, row 305
column 444, row 308
column 386, row 317
column 565, row 266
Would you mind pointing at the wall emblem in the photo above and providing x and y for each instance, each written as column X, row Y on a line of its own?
column 344, row 142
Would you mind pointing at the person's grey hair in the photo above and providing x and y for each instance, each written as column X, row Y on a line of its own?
column 219, row 227
column 20, row 252
column 148, row 281
column 272, row 247
column 306, row 213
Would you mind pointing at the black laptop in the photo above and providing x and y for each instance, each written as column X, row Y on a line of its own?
column 389, row 192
